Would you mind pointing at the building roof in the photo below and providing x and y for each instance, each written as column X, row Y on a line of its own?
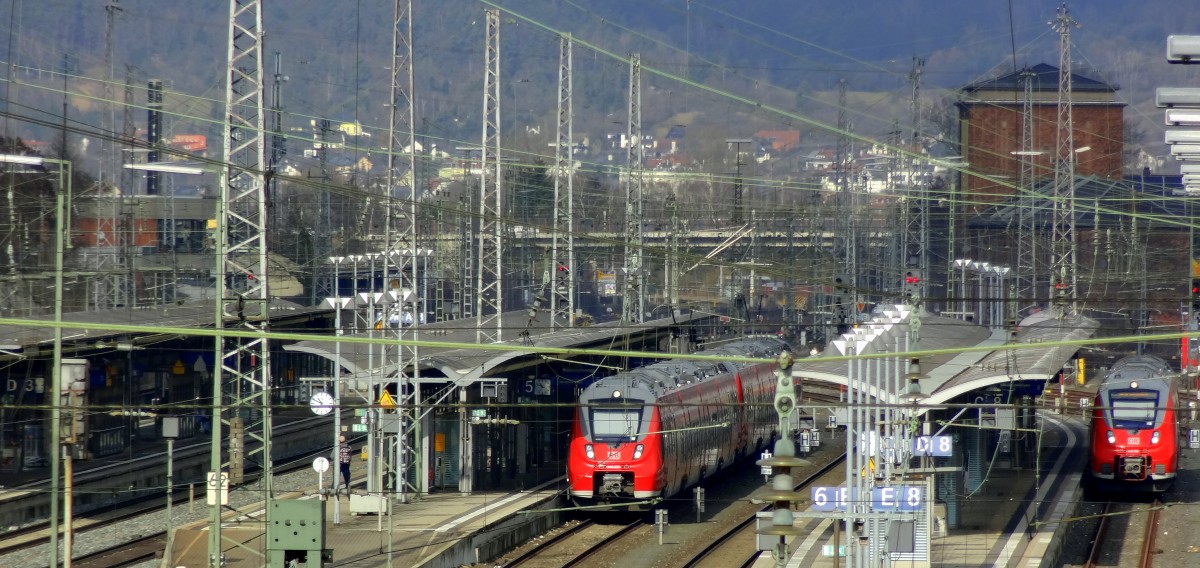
column 1088, row 191
column 1044, row 77
column 89, row 327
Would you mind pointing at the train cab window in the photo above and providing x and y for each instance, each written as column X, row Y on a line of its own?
column 1133, row 409
column 616, row 424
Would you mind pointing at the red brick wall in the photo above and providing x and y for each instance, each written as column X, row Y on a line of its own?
column 991, row 133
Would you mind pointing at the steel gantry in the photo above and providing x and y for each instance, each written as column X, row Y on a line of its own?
column 489, row 296
column 241, row 385
column 562, row 248
column 402, row 256
column 1062, row 268
column 633, row 307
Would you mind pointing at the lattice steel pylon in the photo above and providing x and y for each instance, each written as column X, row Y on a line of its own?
column 841, row 251
column 1062, row 268
column 562, row 283
column 916, row 204
column 1027, row 237
column 402, row 254
column 242, row 384
column 633, row 306
column 672, row 265
column 489, row 299
column 845, row 241
column 110, row 261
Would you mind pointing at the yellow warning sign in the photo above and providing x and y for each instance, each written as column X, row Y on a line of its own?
column 870, row 467
column 386, row 400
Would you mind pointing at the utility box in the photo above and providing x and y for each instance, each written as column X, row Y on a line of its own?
column 296, row 533
column 369, row 504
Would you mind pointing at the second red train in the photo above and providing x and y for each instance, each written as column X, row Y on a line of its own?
column 1134, row 428
column 646, row 434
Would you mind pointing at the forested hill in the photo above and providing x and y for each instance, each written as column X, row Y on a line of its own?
column 785, row 52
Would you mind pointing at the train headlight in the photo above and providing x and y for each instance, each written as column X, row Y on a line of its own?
column 1154, row 438
column 637, row 451
column 1112, row 439
column 591, row 452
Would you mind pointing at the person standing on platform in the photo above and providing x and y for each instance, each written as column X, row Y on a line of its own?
column 344, row 461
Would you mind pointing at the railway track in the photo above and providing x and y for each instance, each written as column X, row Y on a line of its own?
column 129, row 553
column 562, row 549
column 747, row 525
column 1093, row 558
column 126, row 553
column 1117, row 513
column 1146, row 556
column 589, row 539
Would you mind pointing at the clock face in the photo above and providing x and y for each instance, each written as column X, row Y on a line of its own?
column 321, row 403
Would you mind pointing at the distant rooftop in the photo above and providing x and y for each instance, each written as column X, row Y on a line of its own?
column 1045, row 78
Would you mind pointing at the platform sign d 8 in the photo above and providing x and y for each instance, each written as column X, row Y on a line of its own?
column 902, row 498
column 936, row 446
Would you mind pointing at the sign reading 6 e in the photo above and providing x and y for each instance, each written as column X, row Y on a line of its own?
column 896, row 498
column 829, row 499
column 936, row 446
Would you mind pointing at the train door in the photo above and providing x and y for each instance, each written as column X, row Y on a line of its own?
column 712, row 440
column 672, row 417
column 692, row 448
column 445, row 458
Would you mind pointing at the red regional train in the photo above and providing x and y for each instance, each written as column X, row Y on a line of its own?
column 1134, row 433
column 646, row 434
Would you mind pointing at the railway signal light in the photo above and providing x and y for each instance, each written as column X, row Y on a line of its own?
column 1060, row 290
column 1194, row 296
column 841, row 295
column 781, row 491
column 912, row 286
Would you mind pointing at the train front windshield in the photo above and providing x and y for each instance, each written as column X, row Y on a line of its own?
column 616, row 424
column 1133, row 409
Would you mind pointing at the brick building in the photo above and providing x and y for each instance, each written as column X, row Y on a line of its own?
column 990, row 118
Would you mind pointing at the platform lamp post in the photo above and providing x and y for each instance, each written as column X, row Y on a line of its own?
column 338, row 303
column 62, row 224
column 170, row 431
column 981, row 268
column 962, row 264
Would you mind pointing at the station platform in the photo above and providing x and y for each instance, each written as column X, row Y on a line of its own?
column 994, row 527
column 441, row 530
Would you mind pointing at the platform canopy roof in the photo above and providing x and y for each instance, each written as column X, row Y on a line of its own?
column 458, row 361
column 980, row 357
